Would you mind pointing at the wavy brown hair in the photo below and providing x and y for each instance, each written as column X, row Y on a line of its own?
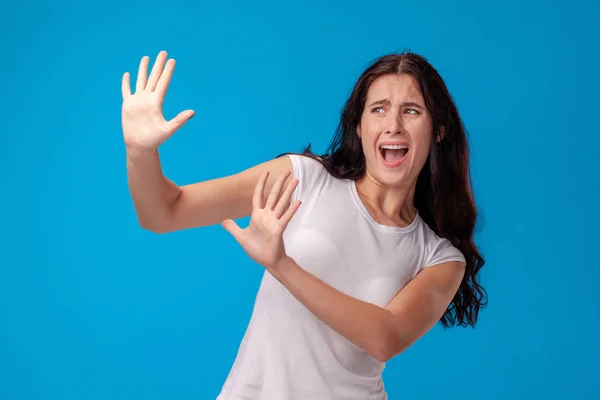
column 443, row 195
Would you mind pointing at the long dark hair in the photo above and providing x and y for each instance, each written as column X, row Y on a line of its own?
column 443, row 194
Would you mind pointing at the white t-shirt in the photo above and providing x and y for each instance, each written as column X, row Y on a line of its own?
column 287, row 353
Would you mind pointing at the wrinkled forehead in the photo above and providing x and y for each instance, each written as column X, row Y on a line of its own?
column 395, row 88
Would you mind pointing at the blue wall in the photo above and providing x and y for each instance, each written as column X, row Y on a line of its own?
column 94, row 307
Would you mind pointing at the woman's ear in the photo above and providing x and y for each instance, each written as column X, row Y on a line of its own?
column 441, row 134
column 358, row 132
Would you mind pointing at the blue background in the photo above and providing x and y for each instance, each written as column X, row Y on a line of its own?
column 94, row 307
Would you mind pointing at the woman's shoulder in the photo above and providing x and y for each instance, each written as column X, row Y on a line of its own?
column 309, row 171
column 307, row 166
column 438, row 248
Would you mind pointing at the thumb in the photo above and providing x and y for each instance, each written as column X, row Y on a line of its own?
column 180, row 120
column 233, row 228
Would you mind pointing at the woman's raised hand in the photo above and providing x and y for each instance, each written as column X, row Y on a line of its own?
column 144, row 126
column 263, row 238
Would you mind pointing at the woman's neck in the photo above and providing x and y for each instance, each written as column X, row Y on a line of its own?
column 388, row 205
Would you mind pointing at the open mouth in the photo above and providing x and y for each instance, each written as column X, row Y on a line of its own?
column 393, row 155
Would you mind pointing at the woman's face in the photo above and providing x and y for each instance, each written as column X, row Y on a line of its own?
column 395, row 115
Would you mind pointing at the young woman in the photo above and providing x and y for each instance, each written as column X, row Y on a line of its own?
column 365, row 248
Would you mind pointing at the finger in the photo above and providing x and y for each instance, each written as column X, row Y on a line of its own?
column 142, row 74
column 157, row 70
column 125, row 85
column 286, row 218
column 180, row 119
column 165, row 79
column 286, row 198
column 258, row 196
column 233, row 228
column 276, row 190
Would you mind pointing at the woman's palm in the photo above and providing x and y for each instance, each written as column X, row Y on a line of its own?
column 143, row 122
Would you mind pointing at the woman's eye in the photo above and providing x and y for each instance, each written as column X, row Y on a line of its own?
column 412, row 111
column 377, row 109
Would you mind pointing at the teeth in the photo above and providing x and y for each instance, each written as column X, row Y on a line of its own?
column 394, row 146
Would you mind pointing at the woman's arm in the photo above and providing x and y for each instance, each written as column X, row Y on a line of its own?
column 382, row 332
column 163, row 207
column 152, row 193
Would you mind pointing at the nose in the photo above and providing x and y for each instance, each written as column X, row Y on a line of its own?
column 394, row 125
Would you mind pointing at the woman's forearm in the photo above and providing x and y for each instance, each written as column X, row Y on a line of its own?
column 152, row 193
column 371, row 328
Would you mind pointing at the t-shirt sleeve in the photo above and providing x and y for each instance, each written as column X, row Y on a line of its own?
column 309, row 172
column 443, row 251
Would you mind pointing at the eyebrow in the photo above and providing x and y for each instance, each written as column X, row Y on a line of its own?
column 406, row 103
